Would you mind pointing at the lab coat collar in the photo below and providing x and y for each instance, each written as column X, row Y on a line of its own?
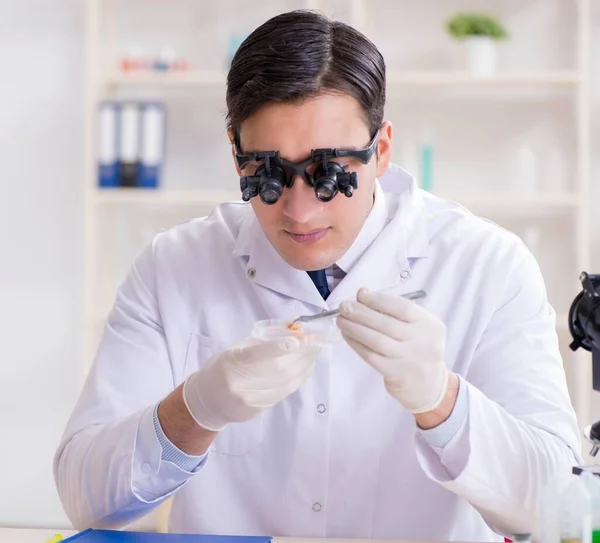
column 406, row 205
column 386, row 263
column 374, row 224
column 265, row 267
column 377, row 266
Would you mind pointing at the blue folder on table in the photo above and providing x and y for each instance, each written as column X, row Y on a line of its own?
column 110, row 536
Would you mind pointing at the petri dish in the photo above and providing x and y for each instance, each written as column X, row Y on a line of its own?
column 323, row 331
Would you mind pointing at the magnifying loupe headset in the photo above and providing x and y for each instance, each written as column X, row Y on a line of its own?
column 269, row 173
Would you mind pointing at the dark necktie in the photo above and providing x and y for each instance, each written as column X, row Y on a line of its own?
column 319, row 278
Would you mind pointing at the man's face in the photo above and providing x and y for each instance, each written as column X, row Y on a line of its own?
column 307, row 233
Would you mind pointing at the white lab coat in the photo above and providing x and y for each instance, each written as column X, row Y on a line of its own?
column 339, row 458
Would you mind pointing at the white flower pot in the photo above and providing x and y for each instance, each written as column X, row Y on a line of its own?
column 482, row 55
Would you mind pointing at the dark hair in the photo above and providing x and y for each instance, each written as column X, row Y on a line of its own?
column 298, row 55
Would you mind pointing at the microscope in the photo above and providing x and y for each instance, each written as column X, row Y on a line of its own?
column 584, row 325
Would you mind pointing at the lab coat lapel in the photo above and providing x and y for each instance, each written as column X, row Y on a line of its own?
column 387, row 262
column 266, row 269
column 379, row 268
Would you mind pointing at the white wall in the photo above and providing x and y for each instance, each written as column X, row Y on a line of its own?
column 41, row 127
column 41, row 107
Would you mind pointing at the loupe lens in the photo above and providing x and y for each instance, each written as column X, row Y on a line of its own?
column 268, row 197
column 325, row 190
column 270, row 192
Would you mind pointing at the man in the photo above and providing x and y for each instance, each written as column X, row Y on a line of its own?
column 440, row 419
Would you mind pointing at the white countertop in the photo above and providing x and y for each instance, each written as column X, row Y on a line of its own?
column 22, row 535
column 18, row 535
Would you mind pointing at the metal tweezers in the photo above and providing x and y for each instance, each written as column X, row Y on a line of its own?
column 335, row 312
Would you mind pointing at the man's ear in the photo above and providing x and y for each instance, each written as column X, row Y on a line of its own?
column 231, row 137
column 384, row 148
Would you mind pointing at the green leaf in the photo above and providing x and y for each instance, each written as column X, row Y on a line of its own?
column 465, row 25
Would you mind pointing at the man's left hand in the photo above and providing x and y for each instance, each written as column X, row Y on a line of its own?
column 403, row 342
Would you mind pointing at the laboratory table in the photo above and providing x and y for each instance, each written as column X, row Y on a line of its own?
column 22, row 535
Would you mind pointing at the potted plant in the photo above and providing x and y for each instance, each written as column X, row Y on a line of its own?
column 480, row 33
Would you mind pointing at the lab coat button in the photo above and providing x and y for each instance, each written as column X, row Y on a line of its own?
column 321, row 408
column 317, row 507
column 251, row 273
column 404, row 274
column 146, row 468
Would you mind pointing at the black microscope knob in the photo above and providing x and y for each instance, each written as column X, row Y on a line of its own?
column 595, row 431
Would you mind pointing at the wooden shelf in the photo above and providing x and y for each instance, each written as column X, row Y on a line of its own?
column 445, row 78
column 513, row 204
column 518, row 205
column 163, row 197
column 402, row 79
column 191, row 78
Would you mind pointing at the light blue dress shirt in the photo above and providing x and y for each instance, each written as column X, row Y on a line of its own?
column 442, row 434
column 172, row 453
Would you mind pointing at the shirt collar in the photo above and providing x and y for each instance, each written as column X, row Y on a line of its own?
column 375, row 222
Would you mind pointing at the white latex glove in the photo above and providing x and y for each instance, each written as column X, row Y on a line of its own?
column 403, row 342
column 248, row 378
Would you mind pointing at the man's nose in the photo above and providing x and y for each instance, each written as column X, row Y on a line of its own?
column 300, row 202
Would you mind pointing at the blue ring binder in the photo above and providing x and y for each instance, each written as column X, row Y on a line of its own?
column 112, row 536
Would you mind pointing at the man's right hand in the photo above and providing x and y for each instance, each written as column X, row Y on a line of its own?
column 248, row 378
